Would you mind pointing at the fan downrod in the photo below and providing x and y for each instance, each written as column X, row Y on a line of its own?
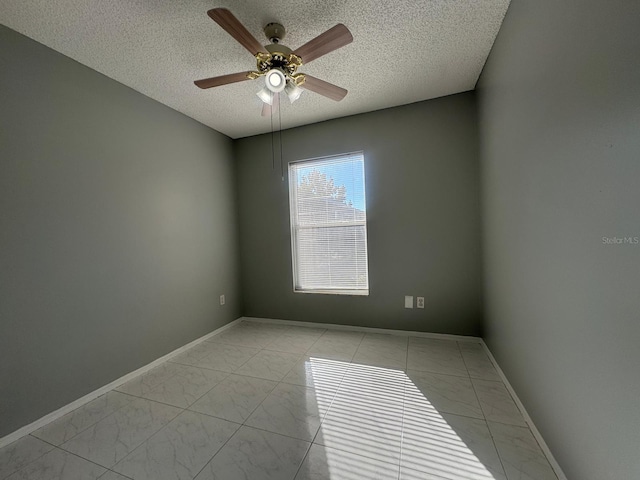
column 274, row 32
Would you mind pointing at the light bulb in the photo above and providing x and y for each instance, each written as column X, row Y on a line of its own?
column 275, row 80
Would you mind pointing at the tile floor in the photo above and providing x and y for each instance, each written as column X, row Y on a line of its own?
column 263, row 401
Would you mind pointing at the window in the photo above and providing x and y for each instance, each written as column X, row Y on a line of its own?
column 329, row 225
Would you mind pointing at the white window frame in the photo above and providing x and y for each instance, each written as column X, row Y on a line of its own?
column 295, row 227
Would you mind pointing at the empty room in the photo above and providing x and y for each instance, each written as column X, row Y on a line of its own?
column 319, row 240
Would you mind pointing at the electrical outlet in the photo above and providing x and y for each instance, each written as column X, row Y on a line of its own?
column 222, row 300
column 408, row 301
column 420, row 302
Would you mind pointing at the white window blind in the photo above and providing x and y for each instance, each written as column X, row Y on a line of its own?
column 329, row 225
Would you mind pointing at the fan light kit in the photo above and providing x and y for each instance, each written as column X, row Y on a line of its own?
column 278, row 63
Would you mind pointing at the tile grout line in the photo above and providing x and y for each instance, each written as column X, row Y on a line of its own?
column 85, row 459
column 277, row 383
column 217, row 451
column 93, row 424
column 75, row 404
column 56, row 447
column 244, row 424
column 117, row 473
column 355, row 328
column 182, row 410
column 313, row 441
column 546, row 451
column 106, row 417
column 87, row 428
column 150, row 437
column 134, row 448
column 115, row 389
column 240, row 425
column 493, row 440
column 35, row 459
column 404, row 406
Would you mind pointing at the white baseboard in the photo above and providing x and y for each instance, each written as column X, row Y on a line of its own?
column 50, row 417
column 536, row 433
column 27, row 429
column 404, row 333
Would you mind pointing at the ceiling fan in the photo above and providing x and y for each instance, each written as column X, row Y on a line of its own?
column 279, row 64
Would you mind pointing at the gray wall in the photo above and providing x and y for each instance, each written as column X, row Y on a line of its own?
column 560, row 133
column 117, row 227
column 422, row 188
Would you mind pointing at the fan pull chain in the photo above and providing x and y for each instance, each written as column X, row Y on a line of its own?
column 273, row 153
column 280, row 138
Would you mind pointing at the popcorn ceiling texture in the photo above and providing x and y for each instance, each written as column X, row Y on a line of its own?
column 403, row 51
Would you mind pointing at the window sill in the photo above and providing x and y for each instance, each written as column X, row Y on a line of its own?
column 357, row 293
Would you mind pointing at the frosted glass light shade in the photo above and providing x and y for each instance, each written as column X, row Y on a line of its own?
column 293, row 91
column 266, row 96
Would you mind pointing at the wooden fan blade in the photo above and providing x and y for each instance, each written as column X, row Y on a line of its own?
column 233, row 27
column 327, row 89
column 333, row 39
column 266, row 110
column 222, row 80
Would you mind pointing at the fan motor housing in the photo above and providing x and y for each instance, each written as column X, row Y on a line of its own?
column 275, row 48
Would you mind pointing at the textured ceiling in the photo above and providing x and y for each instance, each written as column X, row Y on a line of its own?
column 403, row 51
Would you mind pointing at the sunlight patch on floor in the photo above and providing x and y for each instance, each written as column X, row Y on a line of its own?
column 380, row 421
